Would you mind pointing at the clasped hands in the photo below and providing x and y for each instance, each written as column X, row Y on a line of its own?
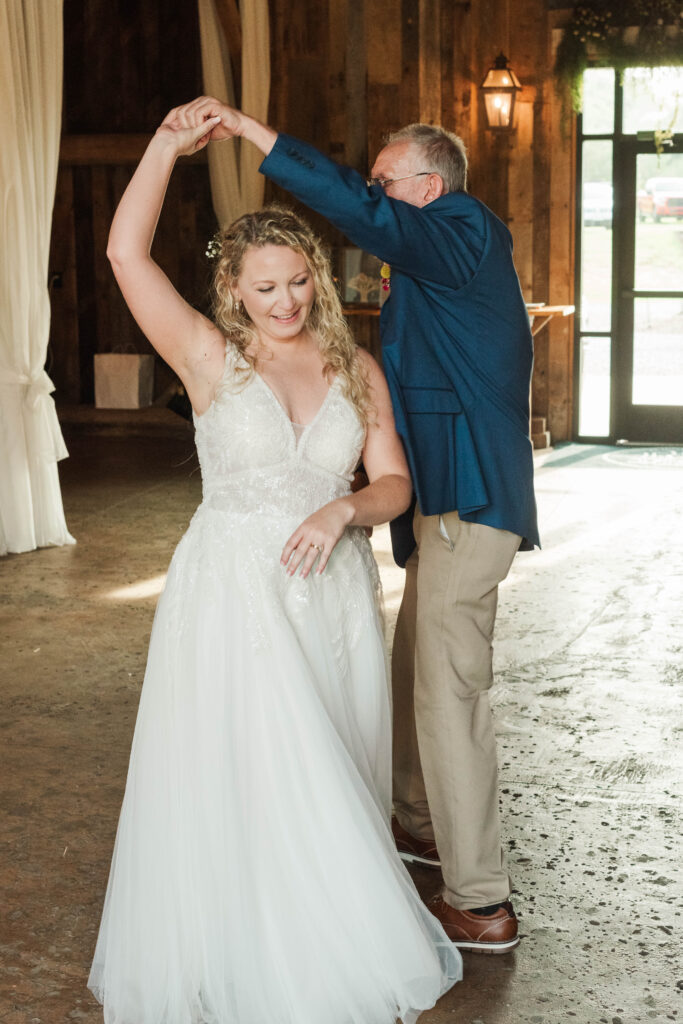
column 191, row 126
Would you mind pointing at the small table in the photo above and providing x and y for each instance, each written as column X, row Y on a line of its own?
column 539, row 316
column 356, row 309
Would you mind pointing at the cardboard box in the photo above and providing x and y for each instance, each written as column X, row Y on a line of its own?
column 123, row 380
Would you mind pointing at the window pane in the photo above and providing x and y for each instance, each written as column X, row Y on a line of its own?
column 653, row 99
column 658, row 352
column 596, row 236
column 598, row 101
column 659, row 212
column 594, row 387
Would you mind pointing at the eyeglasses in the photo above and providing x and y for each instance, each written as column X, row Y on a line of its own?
column 383, row 182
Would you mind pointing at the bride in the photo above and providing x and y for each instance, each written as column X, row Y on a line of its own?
column 254, row 878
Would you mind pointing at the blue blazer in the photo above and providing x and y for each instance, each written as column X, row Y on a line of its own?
column 456, row 342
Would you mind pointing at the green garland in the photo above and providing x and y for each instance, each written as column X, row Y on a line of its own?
column 595, row 37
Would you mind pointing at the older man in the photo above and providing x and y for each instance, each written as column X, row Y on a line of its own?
column 457, row 352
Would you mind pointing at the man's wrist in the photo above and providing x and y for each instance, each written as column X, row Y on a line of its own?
column 259, row 134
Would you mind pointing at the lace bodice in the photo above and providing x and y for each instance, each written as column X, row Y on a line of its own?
column 251, row 460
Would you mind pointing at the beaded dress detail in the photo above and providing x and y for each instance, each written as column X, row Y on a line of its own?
column 254, row 878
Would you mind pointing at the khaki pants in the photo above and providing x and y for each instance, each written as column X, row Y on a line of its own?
column 445, row 767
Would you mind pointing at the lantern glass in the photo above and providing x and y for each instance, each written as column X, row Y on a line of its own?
column 499, row 106
column 500, row 88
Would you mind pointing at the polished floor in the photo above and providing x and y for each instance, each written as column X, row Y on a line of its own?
column 589, row 653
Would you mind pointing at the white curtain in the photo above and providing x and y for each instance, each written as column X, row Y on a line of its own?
column 236, row 185
column 31, row 55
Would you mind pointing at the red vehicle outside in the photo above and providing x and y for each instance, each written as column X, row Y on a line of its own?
column 661, row 197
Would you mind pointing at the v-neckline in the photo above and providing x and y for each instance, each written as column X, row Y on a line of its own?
column 283, row 411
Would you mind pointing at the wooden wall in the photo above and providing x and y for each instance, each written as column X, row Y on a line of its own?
column 125, row 66
column 345, row 72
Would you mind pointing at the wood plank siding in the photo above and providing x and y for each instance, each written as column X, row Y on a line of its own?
column 345, row 72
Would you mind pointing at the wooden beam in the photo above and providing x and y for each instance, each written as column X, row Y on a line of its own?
column 430, row 62
column 384, row 71
column 336, row 105
column 356, row 86
column 560, row 335
column 119, row 148
column 463, row 116
column 229, row 17
column 65, row 368
column 520, row 217
column 383, row 41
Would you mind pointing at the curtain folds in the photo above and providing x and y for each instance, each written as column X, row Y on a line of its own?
column 236, row 185
column 31, row 444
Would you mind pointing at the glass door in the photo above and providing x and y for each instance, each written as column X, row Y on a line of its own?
column 650, row 359
column 629, row 342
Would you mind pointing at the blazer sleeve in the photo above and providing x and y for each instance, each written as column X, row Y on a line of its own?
column 443, row 242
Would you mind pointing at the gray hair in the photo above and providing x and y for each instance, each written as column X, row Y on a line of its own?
column 444, row 151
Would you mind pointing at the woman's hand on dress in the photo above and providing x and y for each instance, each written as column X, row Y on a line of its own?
column 316, row 538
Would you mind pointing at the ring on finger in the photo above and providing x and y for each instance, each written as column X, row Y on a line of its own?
column 318, row 548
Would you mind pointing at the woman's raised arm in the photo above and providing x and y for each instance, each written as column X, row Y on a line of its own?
column 188, row 342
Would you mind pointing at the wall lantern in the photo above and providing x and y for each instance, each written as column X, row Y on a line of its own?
column 500, row 87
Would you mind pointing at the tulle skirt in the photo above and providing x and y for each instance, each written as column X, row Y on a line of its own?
column 254, row 878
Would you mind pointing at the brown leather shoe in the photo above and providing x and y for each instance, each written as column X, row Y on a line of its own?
column 415, row 851
column 478, row 933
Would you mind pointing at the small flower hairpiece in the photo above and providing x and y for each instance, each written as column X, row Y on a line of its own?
column 214, row 247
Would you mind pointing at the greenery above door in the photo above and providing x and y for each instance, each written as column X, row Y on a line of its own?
column 618, row 34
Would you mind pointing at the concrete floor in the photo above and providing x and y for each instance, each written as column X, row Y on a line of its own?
column 590, row 664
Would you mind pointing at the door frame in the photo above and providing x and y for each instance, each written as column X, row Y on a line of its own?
column 640, row 424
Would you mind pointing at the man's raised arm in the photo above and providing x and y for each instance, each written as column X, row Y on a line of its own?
column 425, row 246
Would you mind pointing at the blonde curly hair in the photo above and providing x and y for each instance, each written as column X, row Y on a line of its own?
column 278, row 225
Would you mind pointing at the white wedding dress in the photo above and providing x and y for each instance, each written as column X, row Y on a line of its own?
column 254, row 878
